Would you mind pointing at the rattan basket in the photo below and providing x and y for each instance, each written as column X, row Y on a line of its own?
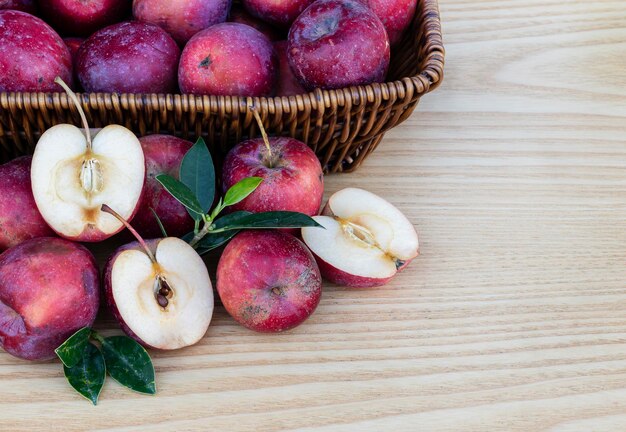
column 342, row 126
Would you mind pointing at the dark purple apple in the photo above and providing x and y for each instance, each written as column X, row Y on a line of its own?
column 83, row 17
column 130, row 57
column 338, row 43
column 280, row 13
column 287, row 83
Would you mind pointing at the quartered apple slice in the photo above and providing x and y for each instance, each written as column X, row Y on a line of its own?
column 366, row 242
column 72, row 176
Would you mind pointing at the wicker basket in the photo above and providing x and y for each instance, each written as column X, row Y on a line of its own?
column 342, row 126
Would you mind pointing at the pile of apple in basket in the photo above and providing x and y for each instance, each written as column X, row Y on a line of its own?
column 276, row 245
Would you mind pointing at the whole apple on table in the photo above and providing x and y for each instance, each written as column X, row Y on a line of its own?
column 80, row 188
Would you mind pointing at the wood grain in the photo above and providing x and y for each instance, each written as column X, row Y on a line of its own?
column 514, row 316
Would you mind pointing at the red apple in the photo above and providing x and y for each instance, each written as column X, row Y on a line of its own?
column 287, row 84
column 280, row 13
column 164, row 154
column 48, row 290
column 129, row 57
column 83, row 17
column 228, row 59
column 268, row 281
column 338, row 43
column 27, row 6
column 239, row 15
column 182, row 18
column 32, row 54
column 366, row 240
column 396, row 15
column 19, row 218
column 292, row 175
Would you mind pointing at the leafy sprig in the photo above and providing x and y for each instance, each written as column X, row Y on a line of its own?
column 196, row 191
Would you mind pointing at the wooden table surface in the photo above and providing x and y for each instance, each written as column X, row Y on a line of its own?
column 514, row 316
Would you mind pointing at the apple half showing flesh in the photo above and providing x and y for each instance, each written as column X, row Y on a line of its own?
column 366, row 242
column 72, row 179
column 164, row 301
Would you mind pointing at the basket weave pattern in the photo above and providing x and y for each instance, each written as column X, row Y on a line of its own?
column 342, row 126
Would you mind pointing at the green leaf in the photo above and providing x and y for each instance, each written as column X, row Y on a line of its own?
column 182, row 193
column 71, row 351
column 198, row 174
column 158, row 219
column 87, row 376
column 240, row 190
column 274, row 219
column 129, row 364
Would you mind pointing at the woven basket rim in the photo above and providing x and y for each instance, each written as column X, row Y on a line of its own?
column 425, row 81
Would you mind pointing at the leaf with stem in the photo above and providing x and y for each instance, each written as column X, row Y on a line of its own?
column 88, row 374
column 214, row 240
column 182, row 193
column 71, row 351
column 198, row 173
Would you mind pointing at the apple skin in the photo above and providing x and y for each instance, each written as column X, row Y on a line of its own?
column 280, row 13
column 322, row 41
column 241, row 16
column 396, row 16
column 268, row 281
column 164, row 154
column 108, row 287
column 129, row 57
column 287, row 84
column 49, row 289
column 182, row 18
column 20, row 219
column 228, row 59
column 83, row 17
column 32, row 54
column 295, row 182
column 27, row 6
column 341, row 278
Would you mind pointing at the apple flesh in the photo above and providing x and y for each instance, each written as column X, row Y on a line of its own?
column 32, row 54
column 292, row 176
column 287, row 84
column 71, row 181
column 323, row 41
column 27, row 6
column 129, row 57
column 19, row 218
column 83, row 17
column 48, row 291
column 280, row 13
column 228, row 59
column 241, row 16
column 163, row 154
column 268, row 281
column 182, row 18
column 396, row 16
column 366, row 240
column 166, row 303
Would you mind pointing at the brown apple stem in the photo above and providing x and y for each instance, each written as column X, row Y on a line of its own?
column 105, row 208
column 74, row 99
column 263, row 133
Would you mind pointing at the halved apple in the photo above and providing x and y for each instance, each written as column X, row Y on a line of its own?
column 366, row 242
column 163, row 300
column 72, row 176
